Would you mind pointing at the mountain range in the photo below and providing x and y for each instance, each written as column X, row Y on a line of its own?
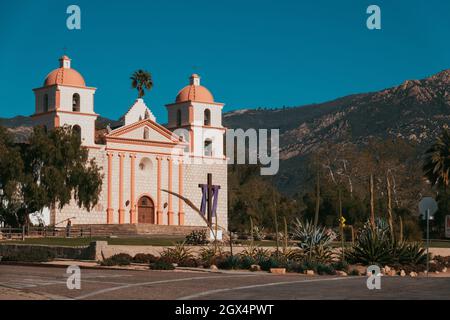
column 415, row 110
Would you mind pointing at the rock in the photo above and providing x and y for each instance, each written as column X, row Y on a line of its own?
column 341, row 273
column 387, row 270
column 213, row 267
column 413, row 274
column 443, row 270
column 255, row 267
column 309, row 272
column 402, row 273
column 278, row 270
column 393, row 272
column 437, row 272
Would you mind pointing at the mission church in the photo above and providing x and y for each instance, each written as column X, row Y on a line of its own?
column 147, row 168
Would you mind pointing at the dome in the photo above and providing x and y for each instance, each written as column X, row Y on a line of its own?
column 65, row 75
column 195, row 92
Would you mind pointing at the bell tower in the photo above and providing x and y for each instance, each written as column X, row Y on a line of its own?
column 64, row 99
column 200, row 116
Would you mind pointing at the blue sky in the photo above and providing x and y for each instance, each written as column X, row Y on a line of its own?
column 250, row 53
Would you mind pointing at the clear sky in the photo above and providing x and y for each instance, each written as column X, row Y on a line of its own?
column 250, row 53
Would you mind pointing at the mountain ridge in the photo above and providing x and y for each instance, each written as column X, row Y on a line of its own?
column 415, row 111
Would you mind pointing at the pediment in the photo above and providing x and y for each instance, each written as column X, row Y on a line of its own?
column 145, row 130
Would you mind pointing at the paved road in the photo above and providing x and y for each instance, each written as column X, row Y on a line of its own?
column 25, row 282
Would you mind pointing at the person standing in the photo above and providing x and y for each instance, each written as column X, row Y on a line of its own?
column 68, row 227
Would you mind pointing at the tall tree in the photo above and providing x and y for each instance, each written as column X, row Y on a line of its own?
column 141, row 80
column 436, row 165
column 436, row 169
column 56, row 169
column 11, row 168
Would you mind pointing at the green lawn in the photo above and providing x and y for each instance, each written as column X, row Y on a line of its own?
column 86, row 241
column 164, row 242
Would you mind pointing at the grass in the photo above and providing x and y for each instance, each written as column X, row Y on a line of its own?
column 165, row 242
column 111, row 241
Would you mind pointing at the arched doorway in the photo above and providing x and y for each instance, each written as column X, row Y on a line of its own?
column 146, row 210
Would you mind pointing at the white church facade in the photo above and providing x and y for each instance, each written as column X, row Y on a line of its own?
column 149, row 170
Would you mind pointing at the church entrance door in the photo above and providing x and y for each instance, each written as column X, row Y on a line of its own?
column 146, row 210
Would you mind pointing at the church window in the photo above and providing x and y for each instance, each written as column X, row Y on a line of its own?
column 178, row 118
column 208, row 148
column 146, row 133
column 145, row 165
column 45, row 106
column 207, row 117
column 77, row 131
column 76, row 102
column 146, row 115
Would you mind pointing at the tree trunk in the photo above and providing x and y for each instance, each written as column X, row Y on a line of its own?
column 389, row 205
column 316, row 217
column 372, row 205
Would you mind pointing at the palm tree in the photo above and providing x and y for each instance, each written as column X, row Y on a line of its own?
column 436, row 166
column 141, row 80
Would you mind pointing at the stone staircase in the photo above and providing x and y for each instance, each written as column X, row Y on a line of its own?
column 132, row 230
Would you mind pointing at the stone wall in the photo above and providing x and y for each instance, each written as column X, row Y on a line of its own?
column 61, row 252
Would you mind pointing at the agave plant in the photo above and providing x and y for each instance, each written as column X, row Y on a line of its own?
column 376, row 246
column 178, row 253
column 412, row 253
column 256, row 253
column 314, row 241
column 258, row 233
column 373, row 246
column 209, row 254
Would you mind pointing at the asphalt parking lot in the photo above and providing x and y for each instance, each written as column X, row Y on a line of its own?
column 31, row 282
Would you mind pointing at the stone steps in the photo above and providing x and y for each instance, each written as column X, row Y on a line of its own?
column 132, row 230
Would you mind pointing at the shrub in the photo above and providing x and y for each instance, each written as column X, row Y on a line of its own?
column 340, row 265
column 256, row 253
column 443, row 260
column 271, row 262
column 120, row 259
column 410, row 253
column 376, row 246
column 228, row 262
column 373, row 246
column 315, row 242
column 161, row 265
column 179, row 253
column 295, row 266
column 325, row 269
column 144, row 258
column 246, row 262
column 197, row 237
column 354, row 272
column 31, row 256
column 209, row 255
column 189, row 263
column 258, row 233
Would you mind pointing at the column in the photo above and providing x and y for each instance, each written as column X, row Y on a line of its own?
column 169, row 186
column 159, row 216
column 132, row 186
column 180, row 192
column 109, row 210
column 121, row 209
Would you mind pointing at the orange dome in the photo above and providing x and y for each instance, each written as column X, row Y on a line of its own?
column 65, row 75
column 195, row 92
